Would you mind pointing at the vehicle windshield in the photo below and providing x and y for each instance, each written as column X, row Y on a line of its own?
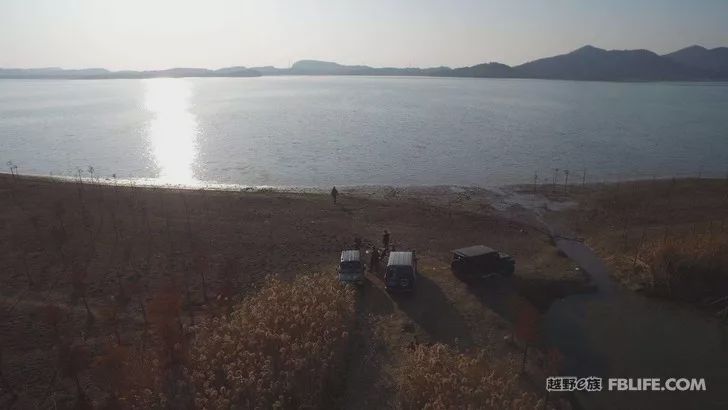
column 350, row 267
column 396, row 272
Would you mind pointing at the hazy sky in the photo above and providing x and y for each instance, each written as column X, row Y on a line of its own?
column 147, row 34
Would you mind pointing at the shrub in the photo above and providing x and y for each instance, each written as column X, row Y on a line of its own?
column 691, row 268
column 283, row 347
column 437, row 377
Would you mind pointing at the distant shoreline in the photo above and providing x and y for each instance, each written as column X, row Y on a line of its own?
column 587, row 63
column 371, row 188
column 621, row 81
column 717, row 82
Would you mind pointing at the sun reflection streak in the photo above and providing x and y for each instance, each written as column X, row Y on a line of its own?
column 173, row 131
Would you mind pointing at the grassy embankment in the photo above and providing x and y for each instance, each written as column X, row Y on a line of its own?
column 143, row 297
column 665, row 237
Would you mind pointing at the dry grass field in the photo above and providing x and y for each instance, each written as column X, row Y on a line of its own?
column 130, row 297
column 664, row 237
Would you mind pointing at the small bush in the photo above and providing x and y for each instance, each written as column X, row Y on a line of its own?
column 437, row 377
column 283, row 347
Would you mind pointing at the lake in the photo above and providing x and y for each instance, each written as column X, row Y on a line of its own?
column 321, row 131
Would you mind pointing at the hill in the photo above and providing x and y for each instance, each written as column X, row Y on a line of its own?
column 591, row 63
column 715, row 61
column 315, row 67
column 485, row 70
column 587, row 63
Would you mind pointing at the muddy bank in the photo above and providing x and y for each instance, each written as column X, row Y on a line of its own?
column 656, row 236
column 614, row 331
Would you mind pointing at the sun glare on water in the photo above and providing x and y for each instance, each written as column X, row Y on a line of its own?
column 173, row 130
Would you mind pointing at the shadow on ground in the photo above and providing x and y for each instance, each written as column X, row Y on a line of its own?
column 373, row 298
column 499, row 295
column 368, row 354
column 430, row 309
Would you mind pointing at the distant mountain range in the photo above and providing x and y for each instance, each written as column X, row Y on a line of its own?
column 693, row 63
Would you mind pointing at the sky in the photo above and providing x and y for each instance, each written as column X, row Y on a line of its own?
column 157, row 34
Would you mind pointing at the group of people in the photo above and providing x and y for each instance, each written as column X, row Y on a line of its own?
column 376, row 255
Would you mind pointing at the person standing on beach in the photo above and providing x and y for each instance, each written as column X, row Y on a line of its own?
column 334, row 193
column 385, row 239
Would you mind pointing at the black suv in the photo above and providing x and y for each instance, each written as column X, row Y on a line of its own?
column 481, row 262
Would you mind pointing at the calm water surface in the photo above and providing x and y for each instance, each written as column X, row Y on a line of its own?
column 319, row 131
column 619, row 333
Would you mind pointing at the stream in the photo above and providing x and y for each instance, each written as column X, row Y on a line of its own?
column 618, row 333
column 614, row 332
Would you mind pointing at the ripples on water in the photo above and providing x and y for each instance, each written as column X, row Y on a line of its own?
column 319, row 131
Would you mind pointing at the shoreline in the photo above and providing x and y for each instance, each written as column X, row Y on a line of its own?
column 717, row 81
column 502, row 189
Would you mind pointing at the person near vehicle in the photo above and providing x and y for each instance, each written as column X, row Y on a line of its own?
column 374, row 261
column 385, row 239
column 334, row 193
